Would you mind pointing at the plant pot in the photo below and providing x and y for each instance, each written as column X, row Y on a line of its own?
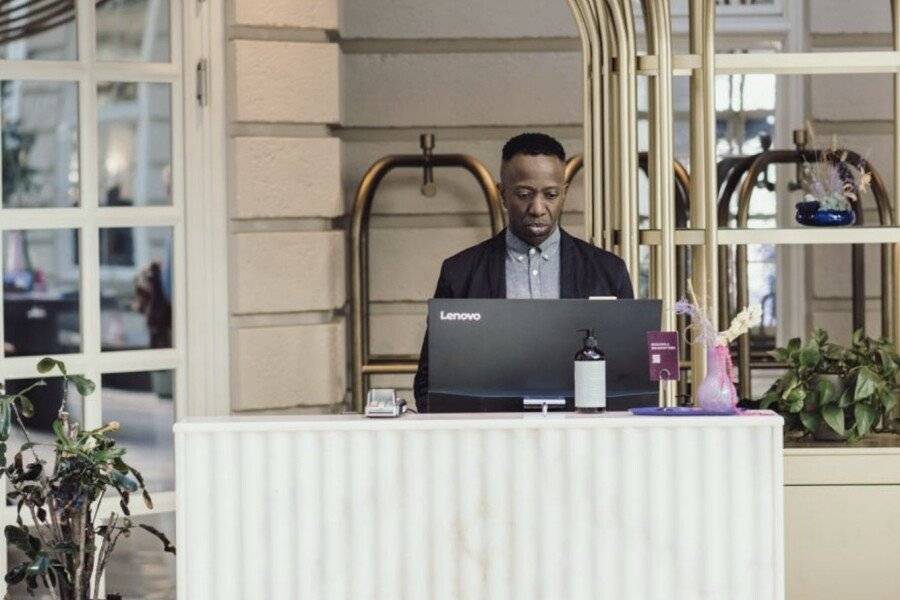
column 808, row 213
column 824, row 433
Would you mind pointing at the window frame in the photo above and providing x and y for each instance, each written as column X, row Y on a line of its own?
column 199, row 357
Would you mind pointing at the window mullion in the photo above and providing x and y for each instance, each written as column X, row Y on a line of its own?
column 89, row 234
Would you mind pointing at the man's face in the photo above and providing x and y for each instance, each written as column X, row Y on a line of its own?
column 533, row 190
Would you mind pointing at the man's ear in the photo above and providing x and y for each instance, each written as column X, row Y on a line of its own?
column 502, row 196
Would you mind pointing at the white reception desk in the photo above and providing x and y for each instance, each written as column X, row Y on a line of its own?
column 488, row 506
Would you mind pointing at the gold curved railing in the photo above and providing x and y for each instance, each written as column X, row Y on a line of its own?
column 364, row 365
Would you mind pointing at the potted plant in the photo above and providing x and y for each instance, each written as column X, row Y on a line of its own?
column 61, row 527
column 831, row 189
column 832, row 392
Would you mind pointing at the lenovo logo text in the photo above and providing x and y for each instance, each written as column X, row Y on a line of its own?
column 460, row 316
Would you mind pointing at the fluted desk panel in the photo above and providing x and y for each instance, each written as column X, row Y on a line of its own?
column 490, row 506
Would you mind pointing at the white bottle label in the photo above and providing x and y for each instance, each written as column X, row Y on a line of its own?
column 590, row 384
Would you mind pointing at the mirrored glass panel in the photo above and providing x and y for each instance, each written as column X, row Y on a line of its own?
column 143, row 403
column 135, row 144
column 135, row 30
column 41, row 299
column 38, row 30
column 136, row 288
column 40, row 144
column 139, row 568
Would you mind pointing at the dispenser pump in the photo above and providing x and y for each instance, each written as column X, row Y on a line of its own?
column 589, row 340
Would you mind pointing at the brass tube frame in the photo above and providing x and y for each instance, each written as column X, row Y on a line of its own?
column 363, row 365
column 623, row 164
column 583, row 17
column 662, row 192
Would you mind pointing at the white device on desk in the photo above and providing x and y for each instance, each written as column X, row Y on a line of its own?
column 383, row 402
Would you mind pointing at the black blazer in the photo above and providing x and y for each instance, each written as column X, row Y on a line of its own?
column 480, row 272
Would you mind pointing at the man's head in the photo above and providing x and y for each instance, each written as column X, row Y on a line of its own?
column 533, row 185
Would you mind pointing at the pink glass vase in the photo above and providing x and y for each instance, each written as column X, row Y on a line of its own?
column 716, row 391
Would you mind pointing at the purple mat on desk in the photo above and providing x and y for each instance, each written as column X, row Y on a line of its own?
column 681, row 411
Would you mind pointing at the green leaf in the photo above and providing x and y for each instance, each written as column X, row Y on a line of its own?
column 811, row 421
column 46, row 364
column 27, row 406
column 889, row 400
column 39, row 565
column 834, row 416
column 167, row 545
column 5, row 420
column 826, row 391
column 66, row 547
column 795, row 399
column 60, row 432
column 866, row 382
column 84, row 385
column 780, row 354
column 809, row 356
column 123, row 481
column 865, row 418
column 21, row 539
column 768, row 399
column 793, row 346
column 857, row 337
column 148, row 502
column 846, row 398
column 16, row 574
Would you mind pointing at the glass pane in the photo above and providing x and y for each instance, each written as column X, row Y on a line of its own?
column 139, row 568
column 142, row 402
column 135, row 144
column 40, row 144
column 133, row 30
column 41, row 292
column 136, row 288
column 38, row 30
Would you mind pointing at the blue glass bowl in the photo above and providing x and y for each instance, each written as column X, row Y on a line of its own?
column 808, row 213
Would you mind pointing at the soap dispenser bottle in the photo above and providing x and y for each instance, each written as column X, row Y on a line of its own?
column 590, row 376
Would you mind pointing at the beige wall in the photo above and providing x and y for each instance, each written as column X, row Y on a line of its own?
column 287, row 258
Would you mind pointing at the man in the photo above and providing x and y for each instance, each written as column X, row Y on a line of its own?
column 533, row 257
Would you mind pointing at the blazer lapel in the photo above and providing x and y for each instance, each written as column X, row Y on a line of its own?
column 569, row 276
column 497, row 266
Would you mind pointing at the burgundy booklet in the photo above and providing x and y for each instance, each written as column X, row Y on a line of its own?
column 662, row 347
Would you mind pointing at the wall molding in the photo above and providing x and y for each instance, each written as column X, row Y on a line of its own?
column 282, row 34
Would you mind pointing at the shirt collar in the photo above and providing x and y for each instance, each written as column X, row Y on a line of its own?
column 516, row 245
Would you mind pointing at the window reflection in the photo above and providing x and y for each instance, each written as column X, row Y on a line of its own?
column 139, row 568
column 40, row 144
column 29, row 31
column 142, row 402
column 40, row 292
column 135, row 155
column 135, row 30
column 136, row 287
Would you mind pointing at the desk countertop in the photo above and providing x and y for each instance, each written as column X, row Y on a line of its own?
column 355, row 421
